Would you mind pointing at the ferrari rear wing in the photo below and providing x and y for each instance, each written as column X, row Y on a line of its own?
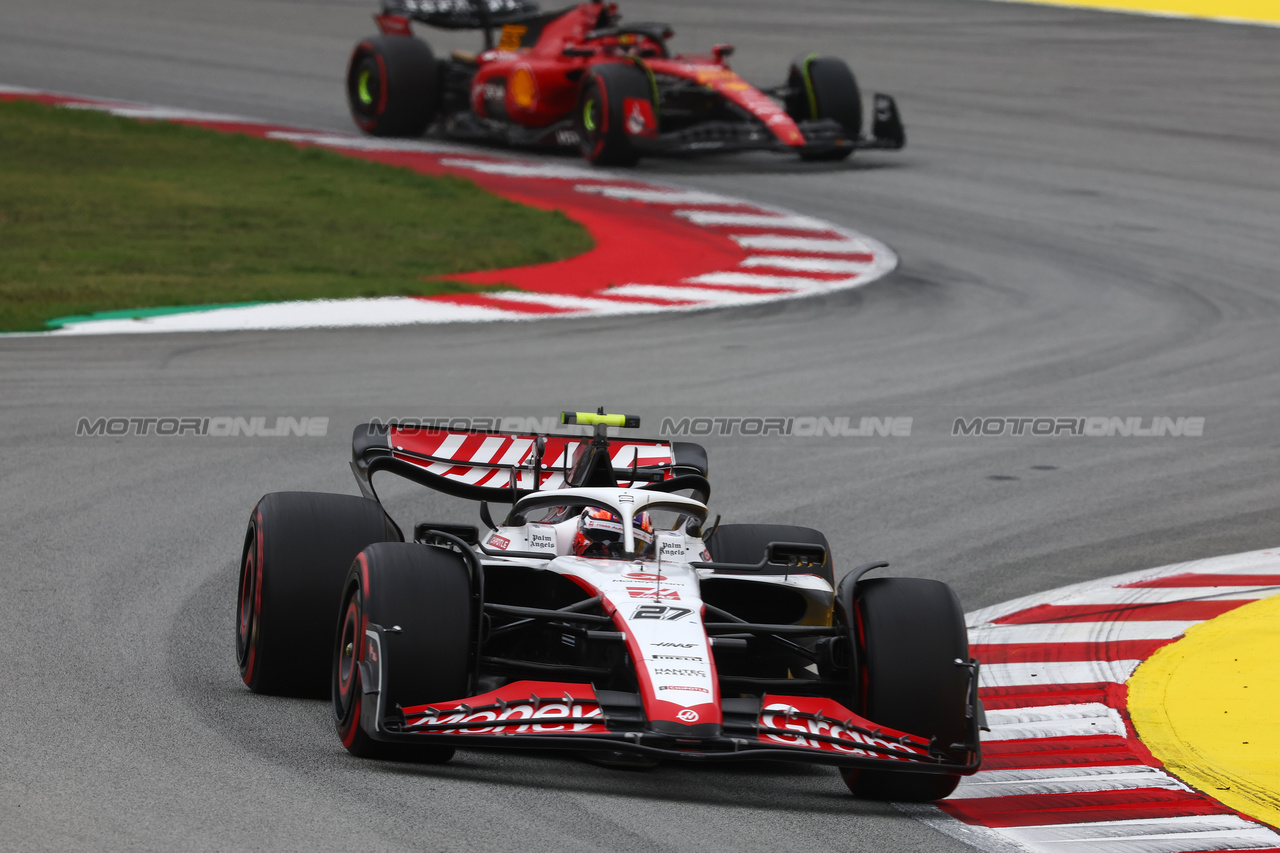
column 504, row 466
column 463, row 14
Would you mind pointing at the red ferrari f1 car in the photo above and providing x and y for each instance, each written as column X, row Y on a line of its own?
column 579, row 77
column 604, row 614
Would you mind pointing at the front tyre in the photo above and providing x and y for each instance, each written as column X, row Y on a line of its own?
column 912, row 633
column 615, row 105
column 425, row 593
column 392, row 86
column 296, row 553
column 823, row 87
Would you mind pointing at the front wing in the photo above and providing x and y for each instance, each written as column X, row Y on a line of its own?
column 820, row 136
column 558, row 715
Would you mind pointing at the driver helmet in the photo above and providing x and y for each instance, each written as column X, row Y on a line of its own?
column 600, row 533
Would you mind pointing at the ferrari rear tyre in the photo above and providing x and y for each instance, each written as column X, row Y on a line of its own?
column 615, row 104
column 391, row 86
column 824, row 87
column 296, row 553
column 424, row 594
column 913, row 633
column 746, row 543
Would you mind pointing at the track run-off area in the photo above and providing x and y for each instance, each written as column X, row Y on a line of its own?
column 1100, row 740
column 1251, row 12
column 716, row 250
column 1084, row 220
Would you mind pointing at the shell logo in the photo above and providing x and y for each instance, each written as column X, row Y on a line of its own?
column 523, row 89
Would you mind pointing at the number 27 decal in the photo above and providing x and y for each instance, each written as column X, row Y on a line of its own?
column 660, row 611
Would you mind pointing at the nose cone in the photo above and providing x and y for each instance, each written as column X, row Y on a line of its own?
column 686, row 731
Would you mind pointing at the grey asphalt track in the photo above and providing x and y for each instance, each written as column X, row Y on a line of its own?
column 1087, row 217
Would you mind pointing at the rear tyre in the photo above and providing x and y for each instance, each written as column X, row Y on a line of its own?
column 824, row 87
column 426, row 592
column 912, row 632
column 392, row 86
column 746, row 543
column 611, row 110
column 296, row 554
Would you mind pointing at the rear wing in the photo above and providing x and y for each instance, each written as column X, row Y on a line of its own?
column 463, row 14
column 505, row 466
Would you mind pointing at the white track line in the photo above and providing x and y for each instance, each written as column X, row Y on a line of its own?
column 650, row 195
column 788, row 243
column 1087, row 719
column 805, row 264
column 1248, row 563
column 708, row 295
column 514, row 169
column 162, row 113
column 320, row 313
column 362, row 143
column 1064, row 780
column 1152, row 835
column 747, row 279
column 783, row 222
column 1057, row 672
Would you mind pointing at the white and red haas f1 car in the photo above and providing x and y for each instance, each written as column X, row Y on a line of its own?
column 603, row 614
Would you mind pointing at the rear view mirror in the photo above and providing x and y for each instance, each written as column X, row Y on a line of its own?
column 795, row 554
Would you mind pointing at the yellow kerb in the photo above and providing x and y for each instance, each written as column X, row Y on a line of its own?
column 1256, row 11
column 1208, row 706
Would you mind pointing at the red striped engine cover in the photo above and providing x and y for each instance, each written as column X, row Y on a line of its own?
column 486, row 459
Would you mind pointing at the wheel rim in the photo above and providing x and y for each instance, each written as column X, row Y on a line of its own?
column 362, row 88
column 246, row 609
column 591, row 135
column 350, row 640
column 365, row 87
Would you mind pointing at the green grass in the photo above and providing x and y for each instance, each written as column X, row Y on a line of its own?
column 99, row 213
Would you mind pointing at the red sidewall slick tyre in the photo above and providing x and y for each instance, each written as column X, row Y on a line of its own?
column 296, row 554
column 601, row 120
column 745, row 543
column 911, row 634
column 424, row 594
column 392, row 86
